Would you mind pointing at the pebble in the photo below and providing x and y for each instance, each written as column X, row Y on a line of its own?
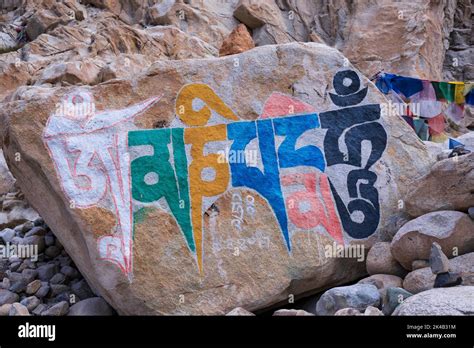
column 7, row 235
column 69, row 272
column 30, row 302
column 447, row 279
column 58, row 309
column 82, row 289
column 39, row 309
column 57, row 289
column 5, row 309
column 7, row 296
column 33, row 287
column 47, row 271
column 17, row 309
column 52, row 251
column 43, row 291
column 58, row 278
column 470, row 211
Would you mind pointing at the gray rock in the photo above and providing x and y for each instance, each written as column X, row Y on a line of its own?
column 82, row 289
column 36, row 231
column 373, row 311
column 239, row 311
column 447, row 279
column 17, row 309
column 28, row 275
column 58, row 309
column 358, row 296
column 49, row 240
column 383, row 282
column 439, row 263
column 18, row 286
column 291, row 313
column 39, row 309
column 395, row 296
column 470, row 211
column 347, row 312
column 33, row 287
column 70, row 272
column 7, row 235
column 43, row 291
column 35, row 240
column 52, row 251
column 5, row 283
column 381, row 261
column 57, row 289
column 30, row 302
column 457, row 300
column 58, row 278
column 91, row 306
column 47, row 271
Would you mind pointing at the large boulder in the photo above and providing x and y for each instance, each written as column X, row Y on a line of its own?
column 458, row 300
column 448, row 186
column 452, row 230
column 423, row 279
column 125, row 217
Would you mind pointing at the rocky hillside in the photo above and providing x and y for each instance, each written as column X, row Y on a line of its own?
column 230, row 156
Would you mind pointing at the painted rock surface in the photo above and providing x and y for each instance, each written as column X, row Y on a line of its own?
column 205, row 185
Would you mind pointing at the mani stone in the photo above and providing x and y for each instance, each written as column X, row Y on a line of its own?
column 439, row 263
column 164, row 266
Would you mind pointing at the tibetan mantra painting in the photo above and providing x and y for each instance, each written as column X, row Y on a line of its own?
column 285, row 156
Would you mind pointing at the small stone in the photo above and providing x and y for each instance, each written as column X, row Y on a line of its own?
column 36, row 240
column 373, row 311
column 58, row 278
column 5, row 309
column 7, row 296
column 57, row 289
column 58, row 309
column 49, row 240
column 7, row 235
column 82, row 289
column 30, row 302
column 470, row 211
column 447, row 279
column 395, row 296
column 291, row 313
column 33, row 287
column 381, row 261
column 47, row 271
column 6, row 283
column 52, row 251
column 417, row 264
column 36, row 231
column 39, row 309
column 17, row 309
column 238, row 41
column 43, row 291
column 18, row 286
column 38, row 221
column 439, row 263
column 70, row 272
column 28, row 275
column 347, row 311
column 239, row 311
column 15, row 266
column 93, row 306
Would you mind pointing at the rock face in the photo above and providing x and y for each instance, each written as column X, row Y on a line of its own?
column 452, row 230
column 448, row 186
column 446, row 301
column 148, row 251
